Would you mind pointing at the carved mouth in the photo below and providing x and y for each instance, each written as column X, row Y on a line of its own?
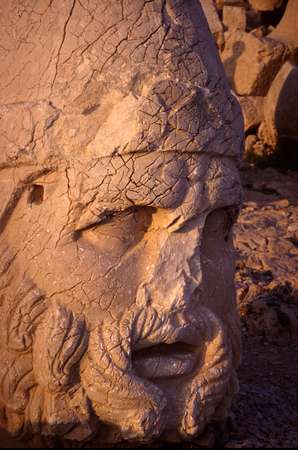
column 165, row 361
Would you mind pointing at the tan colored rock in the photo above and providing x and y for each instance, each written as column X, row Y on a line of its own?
column 281, row 107
column 252, row 108
column 214, row 22
column 287, row 30
column 120, row 139
column 234, row 17
column 251, row 62
column 250, row 143
column 266, row 5
column 219, row 4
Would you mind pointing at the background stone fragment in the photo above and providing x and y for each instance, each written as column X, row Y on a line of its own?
column 214, row 21
column 234, row 17
column 265, row 5
column 252, row 108
column 251, row 63
column 287, row 29
column 281, row 107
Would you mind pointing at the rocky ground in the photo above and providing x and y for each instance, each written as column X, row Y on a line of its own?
column 266, row 411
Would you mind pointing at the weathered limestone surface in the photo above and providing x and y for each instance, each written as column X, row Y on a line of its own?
column 119, row 142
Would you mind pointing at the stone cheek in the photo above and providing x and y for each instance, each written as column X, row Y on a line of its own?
column 119, row 191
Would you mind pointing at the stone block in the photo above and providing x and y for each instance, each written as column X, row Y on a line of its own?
column 281, row 107
column 214, row 22
column 266, row 5
column 252, row 62
column 287, row 29
column 252, row 108
column 234, row 17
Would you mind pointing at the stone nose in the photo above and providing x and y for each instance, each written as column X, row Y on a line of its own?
column 177, row 297
column 166, row 298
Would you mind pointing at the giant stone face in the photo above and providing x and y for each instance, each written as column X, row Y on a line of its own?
column 119, row 142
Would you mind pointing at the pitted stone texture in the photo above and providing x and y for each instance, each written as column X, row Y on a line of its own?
column 119, row 188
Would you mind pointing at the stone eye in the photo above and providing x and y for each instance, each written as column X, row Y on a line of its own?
column 125, row 229
column 36, row 195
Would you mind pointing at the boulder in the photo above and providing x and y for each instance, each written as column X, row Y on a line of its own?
column 234, row 17
column 253, row 19
column 214, row 22
column 252, row 62
column 266, row 5
column 287, row 30
column 252, row 108
column 281, row 107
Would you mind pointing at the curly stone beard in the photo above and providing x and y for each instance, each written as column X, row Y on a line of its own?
column 58, row 379
column 118, row 381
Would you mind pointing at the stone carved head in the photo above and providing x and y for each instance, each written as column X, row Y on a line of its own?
column 119, row 187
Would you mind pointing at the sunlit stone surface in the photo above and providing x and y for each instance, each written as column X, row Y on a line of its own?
column 118, row 192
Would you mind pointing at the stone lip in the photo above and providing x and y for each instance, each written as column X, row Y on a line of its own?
column 171, row 351
column 165, row 361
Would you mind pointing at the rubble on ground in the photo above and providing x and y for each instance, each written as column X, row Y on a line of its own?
column 258, row 44
column 266, row 239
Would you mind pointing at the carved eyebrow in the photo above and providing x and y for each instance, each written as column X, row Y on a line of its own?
column 106, row 216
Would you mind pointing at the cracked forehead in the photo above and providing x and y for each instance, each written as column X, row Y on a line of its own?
column 186, row 185
column 129, row 100
column 113, row 77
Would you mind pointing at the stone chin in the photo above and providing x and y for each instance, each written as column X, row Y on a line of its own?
column 159, row 374
column 135, row 378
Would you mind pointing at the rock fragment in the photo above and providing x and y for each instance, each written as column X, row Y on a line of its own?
column 234, row 17
column 215, row 24
column 252, row 62
column 252, row 108
column 281, row 108
column 287, row 30
column 253, row 20
column 266, row 5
